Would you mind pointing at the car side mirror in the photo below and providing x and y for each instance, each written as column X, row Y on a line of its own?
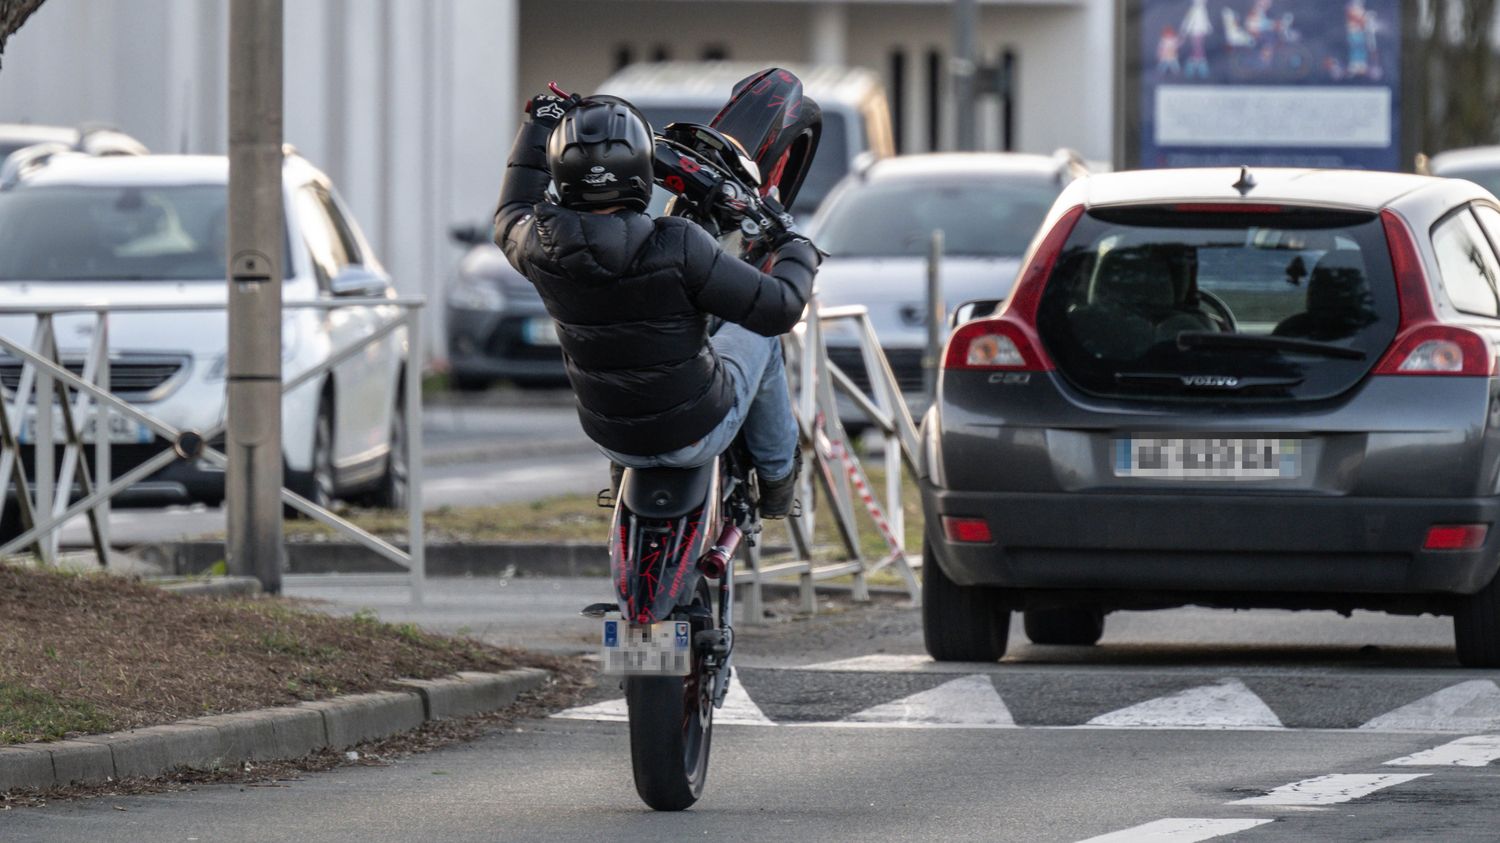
column 971, row 310
column 468, row 235
column 356, row 280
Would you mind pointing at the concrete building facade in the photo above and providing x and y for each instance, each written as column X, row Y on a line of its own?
column 410, row 104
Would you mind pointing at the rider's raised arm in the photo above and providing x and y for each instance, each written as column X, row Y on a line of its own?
column 526, row 173
column 766, row 303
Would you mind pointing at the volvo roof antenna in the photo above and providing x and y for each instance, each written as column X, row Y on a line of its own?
column 1246, row 182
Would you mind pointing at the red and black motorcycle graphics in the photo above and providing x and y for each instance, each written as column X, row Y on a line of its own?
column 653, row 563
column 777, row 124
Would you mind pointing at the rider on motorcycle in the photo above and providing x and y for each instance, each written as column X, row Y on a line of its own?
column 632, row 299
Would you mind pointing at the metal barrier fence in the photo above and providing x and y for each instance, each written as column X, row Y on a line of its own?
column 46, row 503
column 836, row 468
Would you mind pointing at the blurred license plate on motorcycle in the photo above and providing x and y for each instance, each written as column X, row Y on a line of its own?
column 658, row 649
column 540, row 330
column 1208, row 459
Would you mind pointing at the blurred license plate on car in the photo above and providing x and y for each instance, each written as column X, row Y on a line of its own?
column 122, row 429
column 660, row 649
column 539, row 330
column 1208, row 459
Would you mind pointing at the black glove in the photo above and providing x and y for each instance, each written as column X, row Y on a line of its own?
column 547, row 110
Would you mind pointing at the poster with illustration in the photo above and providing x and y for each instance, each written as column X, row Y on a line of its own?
column 1302, row 83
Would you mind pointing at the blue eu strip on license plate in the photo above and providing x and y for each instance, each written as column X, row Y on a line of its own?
column 659, row 649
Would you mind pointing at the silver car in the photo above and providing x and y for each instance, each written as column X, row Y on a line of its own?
column 877, row 229
column 1234, row 388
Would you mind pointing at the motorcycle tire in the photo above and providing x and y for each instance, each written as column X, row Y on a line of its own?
column 671, row 729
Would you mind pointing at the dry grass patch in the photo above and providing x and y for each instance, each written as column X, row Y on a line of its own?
column 94, row 653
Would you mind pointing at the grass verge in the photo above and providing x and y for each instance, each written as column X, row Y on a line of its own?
column 95, row 653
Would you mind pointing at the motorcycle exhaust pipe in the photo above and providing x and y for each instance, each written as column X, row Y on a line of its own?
column 715, row 562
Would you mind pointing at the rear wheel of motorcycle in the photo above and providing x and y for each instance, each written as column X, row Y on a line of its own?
column 671, row 727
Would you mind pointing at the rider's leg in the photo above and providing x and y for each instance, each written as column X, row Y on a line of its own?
column 760, row 387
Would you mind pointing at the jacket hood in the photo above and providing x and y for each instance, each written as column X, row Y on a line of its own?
column 591, row 247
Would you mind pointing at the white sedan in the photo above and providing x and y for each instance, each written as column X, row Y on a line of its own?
column 77, row 229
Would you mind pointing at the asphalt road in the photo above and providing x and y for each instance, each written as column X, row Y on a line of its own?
column 475, row 453
column 1183, row 725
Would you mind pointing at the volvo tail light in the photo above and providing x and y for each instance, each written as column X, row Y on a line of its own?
column 1009, row 342
column 1424, row 345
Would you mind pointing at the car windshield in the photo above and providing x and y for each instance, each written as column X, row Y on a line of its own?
column 1296, row 304
column 829, row 164
column 112, row 233
column 979, row 216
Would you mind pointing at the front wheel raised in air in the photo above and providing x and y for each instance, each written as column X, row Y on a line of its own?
column 960, row 623
column 671, row 728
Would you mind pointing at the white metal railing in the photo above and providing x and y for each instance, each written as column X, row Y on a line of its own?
column 46, row 502
column 836, row 468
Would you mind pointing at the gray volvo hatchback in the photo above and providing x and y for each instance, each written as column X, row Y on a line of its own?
column 1234, row 388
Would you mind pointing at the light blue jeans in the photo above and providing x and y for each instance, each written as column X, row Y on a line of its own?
column 762, row 407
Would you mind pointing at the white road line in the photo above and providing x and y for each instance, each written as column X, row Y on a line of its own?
column 970, row 702
column 1227, row 705
column 1472, row 706
column 1330, row 790
column 878, row 663
column 1476, row 751
column 1177, row 831
column 738, row 710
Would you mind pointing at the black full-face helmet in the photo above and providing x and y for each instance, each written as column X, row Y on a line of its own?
column 600, row 155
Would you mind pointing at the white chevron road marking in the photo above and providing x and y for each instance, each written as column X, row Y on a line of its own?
column 1475, row 751
column 1227, row 705
column 1331, row 789
column 738, row 710
column 1472, row 706
column 1177, row 830
column 970, row 703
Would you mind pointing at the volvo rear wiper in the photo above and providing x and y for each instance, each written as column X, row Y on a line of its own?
column 1209, row 339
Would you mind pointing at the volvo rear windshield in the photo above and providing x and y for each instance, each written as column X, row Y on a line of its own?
column 1203, row 304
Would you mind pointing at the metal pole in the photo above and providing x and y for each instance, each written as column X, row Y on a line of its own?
column 965, row 67
column 253, row 478
column 937, row 315
column 412, row 406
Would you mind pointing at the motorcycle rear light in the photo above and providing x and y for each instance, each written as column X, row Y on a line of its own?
column 967, row 530
column 1456, row 536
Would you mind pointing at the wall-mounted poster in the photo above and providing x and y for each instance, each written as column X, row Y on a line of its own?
column 1300, row 83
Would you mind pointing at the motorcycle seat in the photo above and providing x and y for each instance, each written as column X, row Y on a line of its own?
column 666, row 492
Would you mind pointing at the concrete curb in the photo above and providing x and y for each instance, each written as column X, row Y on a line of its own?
column 268, row 734
column 211, row 587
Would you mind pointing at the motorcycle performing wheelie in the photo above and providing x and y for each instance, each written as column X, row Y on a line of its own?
column 669, row 634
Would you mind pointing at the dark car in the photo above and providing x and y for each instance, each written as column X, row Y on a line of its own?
column 1226, row 388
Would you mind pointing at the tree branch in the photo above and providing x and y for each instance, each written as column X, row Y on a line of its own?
column 13, row 13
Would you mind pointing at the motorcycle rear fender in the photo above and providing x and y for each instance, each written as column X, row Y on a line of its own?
column 653, row 561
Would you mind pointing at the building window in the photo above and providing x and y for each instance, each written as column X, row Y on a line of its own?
column 898, row 97
column 623, row 56
column 934, row 100
column 715, row 52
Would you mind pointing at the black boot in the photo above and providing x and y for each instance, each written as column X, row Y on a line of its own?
column 778, row 496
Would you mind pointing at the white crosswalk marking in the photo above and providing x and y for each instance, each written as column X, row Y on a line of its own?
column 1331, row 789
column 738, row 710
column 1177, row 830
column 1227, row 705
column 970, row 702
column 1475, row 751
column 1472, row 706
column 884, row 663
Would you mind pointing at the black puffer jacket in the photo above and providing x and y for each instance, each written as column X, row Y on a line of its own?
column 631, row 298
